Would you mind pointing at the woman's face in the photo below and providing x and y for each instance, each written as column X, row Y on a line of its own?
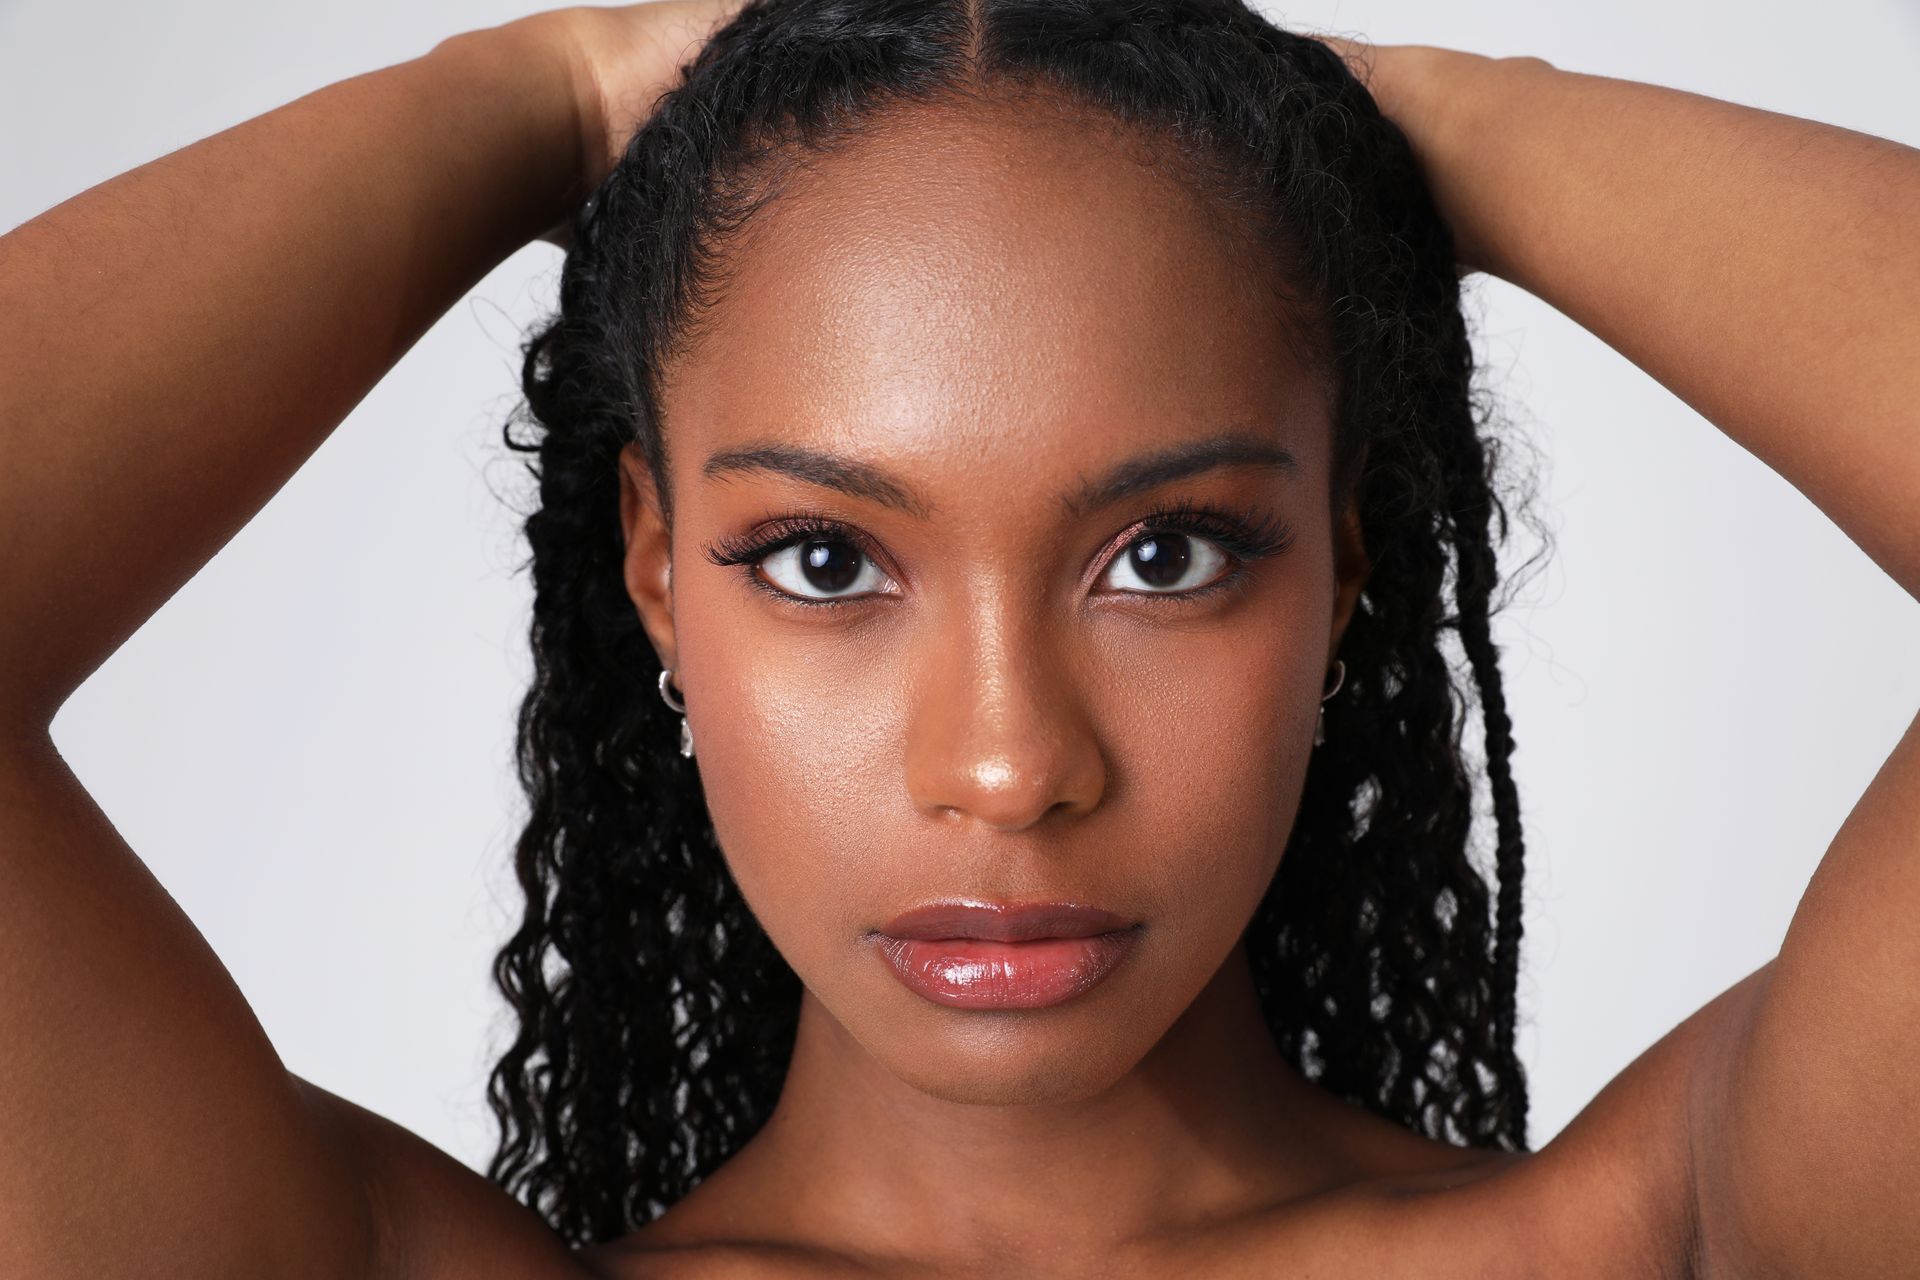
column 965, row 341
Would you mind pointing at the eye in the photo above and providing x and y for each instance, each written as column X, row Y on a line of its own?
column 822, row 569
column 807, row 560
column 1186, row 549
column 1181, row 550
column 1166, row 562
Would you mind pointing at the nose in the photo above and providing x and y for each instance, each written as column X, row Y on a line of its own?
column 999, row 731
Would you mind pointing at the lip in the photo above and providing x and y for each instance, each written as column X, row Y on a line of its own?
column 996, row 956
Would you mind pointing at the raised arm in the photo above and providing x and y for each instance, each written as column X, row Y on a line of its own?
column 1766, row 269
column 186, row 334
column 180, row 339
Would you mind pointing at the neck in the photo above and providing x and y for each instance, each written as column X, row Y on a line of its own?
column 1212, row 1124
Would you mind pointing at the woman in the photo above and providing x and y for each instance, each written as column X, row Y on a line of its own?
column 1031, row 445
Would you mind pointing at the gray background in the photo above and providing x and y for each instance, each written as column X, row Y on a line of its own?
column 309, row 743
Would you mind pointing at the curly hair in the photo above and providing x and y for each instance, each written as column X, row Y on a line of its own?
column 655, row 1017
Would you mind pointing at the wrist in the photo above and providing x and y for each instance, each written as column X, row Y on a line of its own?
column 1460, row 110
column 526, row 69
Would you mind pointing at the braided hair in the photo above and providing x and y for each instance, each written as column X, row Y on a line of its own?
column 655, row 1017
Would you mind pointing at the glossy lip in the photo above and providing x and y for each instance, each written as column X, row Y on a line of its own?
column 970, row 955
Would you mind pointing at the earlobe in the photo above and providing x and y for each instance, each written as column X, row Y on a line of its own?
column 647, row 562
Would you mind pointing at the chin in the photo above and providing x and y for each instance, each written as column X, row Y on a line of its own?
column 1005, row 1084
column 1013, row 1059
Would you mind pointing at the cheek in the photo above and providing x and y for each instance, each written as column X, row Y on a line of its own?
column 1210, row 762
column 802, row 758
column 1202, row 732
column 798, row 760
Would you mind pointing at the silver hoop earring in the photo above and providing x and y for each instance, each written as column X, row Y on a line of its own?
column 1339, row 679
column 666, row 696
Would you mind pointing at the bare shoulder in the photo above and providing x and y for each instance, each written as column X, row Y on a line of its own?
column 435, row 1218
column 1614, row 1194
column 643, row 1257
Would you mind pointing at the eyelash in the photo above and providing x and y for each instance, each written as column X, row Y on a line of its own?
column 1246, row 535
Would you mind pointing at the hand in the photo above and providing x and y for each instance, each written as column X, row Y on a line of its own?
column 620, row 61
column 1412, row 83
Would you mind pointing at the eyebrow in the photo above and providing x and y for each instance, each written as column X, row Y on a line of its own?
column 1134, row 476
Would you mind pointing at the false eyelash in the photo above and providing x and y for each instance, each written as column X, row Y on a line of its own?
column 776, row 535
column 784, row 532
column 1246, row 535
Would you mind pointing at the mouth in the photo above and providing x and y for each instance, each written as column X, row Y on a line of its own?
column 970, row 955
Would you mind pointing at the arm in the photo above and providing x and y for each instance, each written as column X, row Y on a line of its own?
column 200, row 324
column 184, row 336
column 1766, row 269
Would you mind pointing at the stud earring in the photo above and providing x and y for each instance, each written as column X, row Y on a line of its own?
column 1339, row 678
column 666, row 695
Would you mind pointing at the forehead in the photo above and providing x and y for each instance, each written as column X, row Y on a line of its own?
column 991, row 292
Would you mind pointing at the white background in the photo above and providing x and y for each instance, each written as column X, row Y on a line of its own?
column 310, row 743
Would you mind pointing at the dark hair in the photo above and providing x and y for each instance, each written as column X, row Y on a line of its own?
column 656, row 1018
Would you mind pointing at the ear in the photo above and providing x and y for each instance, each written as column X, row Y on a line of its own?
column 1351, row 567
column 647, row 567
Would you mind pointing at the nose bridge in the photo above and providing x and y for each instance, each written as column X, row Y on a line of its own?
column 999, row 731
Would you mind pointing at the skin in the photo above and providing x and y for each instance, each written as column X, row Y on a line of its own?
column 152, row 1129
column 980, row 721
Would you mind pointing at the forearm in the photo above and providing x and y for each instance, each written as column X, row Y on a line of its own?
column 186, row 334
column 1765, row 269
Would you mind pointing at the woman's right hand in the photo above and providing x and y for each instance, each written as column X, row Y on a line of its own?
column 622, row 59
